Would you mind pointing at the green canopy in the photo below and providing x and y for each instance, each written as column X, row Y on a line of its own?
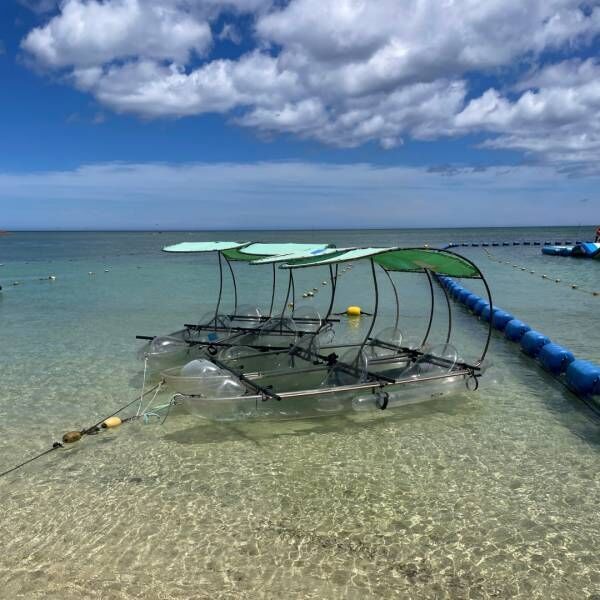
column 398, row 259
column 419, row 259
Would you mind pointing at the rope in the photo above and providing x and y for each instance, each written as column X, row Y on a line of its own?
column 88, row 430
column 137, row 414
column 153, row 398
column 55, row 446
column 572, row 286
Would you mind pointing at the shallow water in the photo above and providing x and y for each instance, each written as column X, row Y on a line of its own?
column 487, row 495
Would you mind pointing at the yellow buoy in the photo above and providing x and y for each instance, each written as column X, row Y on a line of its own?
column 353, row 311
column 111, row 422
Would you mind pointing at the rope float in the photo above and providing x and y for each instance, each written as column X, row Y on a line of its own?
column 573, row 286
column 512, row 243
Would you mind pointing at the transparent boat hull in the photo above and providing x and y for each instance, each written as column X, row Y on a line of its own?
column 306, row 397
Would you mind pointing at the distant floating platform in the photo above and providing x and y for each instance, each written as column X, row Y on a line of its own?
column 580, row 250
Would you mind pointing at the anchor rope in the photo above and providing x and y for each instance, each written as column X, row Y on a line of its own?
column 153, row 398
column 137, row 414
column 86, row 431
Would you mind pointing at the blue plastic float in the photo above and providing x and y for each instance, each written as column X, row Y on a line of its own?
column 583, row 377
column 480, row 306
column 486, row 313
column 501, row 318
column 515, row 330
column 533, row 341
column 555, row 358
column 472, row 300
column 466, row 296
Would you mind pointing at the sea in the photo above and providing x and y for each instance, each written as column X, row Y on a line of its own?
column 486, row 494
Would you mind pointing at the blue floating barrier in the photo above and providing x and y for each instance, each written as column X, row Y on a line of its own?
column 583, row 377
column 516, row 243
column 457, row 291
column 526, row 243
column 464, row 244
column 475, row 245
column 578, row 241
column 505, row 244
column 479, row 306
column 567, row 242
column 485, row 244
column 500, row 319
column 555, row 358
column 495, row 244
column 533, row 341
column 547, row 243
column 472, row 300
column 558, row 243
column 537, row 243
column 515, row 330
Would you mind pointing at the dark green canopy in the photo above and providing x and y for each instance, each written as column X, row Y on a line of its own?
column 414, row 260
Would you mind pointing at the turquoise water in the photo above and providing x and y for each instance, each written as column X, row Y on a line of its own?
column 493, row 494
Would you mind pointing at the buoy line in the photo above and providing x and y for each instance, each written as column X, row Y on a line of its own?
column 71, row 437
column 581, row 377
column 572, row 286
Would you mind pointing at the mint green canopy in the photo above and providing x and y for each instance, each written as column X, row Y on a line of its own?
column 256, row 252
column 249, row 251
column 204, row 246
column 413, row 260
column 296, row 256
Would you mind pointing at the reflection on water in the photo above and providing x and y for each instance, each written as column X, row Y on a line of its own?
column 492, row 495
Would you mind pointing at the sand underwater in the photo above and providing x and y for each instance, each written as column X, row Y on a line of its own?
column 492, row 494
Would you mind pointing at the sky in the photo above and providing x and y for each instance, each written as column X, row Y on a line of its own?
column 210, row 114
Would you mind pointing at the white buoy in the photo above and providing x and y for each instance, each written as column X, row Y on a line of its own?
column 52, row 277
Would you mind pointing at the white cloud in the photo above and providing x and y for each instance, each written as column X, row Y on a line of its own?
column 340, row 71
column 559, row 118
column 88, row 34
column 292, row 194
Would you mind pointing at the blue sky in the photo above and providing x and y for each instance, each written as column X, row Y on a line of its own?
column 183, row 113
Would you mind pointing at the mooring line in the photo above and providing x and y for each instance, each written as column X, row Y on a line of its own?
column 74, row 436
